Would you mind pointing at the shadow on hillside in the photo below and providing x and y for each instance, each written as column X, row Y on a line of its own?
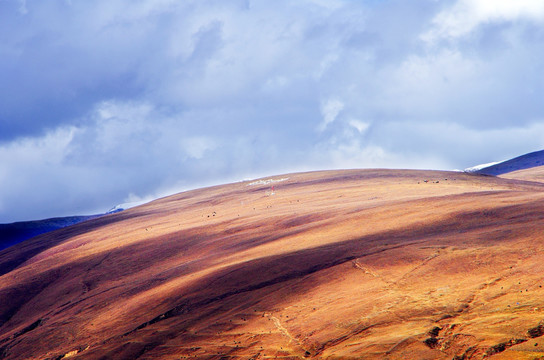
column 236, row 284
column 12, row 257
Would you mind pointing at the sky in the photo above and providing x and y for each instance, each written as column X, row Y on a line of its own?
column 111, row 101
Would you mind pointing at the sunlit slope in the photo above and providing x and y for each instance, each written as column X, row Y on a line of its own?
column 372, row 264
column 533, row 174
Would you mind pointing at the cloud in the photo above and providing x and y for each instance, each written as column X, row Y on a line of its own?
column 31, row 168
column 115, row 100
column 330, row 110
column 467, row 15
column 436, row 139
column 195, row 147
column 359, row 125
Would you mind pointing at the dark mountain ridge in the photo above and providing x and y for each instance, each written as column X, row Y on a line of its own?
column 11, row 234
column 522, row 162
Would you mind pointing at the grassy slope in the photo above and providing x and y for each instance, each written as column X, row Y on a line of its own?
column 364, row 264
column 533, row 174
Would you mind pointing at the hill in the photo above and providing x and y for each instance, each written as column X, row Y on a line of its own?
column 523, row 162
column 372, row 264
column 11, row 234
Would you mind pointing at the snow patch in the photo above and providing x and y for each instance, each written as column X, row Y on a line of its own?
column 481, row 166
column 266, row 182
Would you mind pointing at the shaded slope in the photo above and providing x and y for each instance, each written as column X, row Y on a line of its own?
column 11, row 234
column 346, row 264
column 522, row 162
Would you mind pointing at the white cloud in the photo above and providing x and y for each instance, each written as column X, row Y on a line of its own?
column 141, row 98
column 359, row 125
column 195, row 147
column 38, row 152
column 325, row 64
column 441, row 141
column 275, row 83
column 30, row 169
column 117, row 123
column 330, row 110
column 437, row 84
column 467, row 15
column 135, row 200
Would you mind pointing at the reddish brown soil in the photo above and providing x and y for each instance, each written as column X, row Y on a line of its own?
column 362, row 264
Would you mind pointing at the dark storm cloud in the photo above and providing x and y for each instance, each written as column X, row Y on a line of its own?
column 110, row 101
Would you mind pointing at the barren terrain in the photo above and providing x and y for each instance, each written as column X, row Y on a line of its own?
column 362, row 264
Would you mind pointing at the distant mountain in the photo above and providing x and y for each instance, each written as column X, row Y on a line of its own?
column 11, row 234
column 14, row 233
column 522, row 162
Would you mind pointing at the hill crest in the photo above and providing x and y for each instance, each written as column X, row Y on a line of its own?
column 527, row 161
column 386, row 263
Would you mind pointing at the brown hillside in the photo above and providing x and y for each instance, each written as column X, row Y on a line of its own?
column 362, row 264
column 533, row 174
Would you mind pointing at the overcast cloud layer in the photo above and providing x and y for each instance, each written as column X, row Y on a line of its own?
column 103, row 102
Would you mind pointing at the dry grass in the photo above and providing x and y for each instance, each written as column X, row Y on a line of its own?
column 368, row 264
